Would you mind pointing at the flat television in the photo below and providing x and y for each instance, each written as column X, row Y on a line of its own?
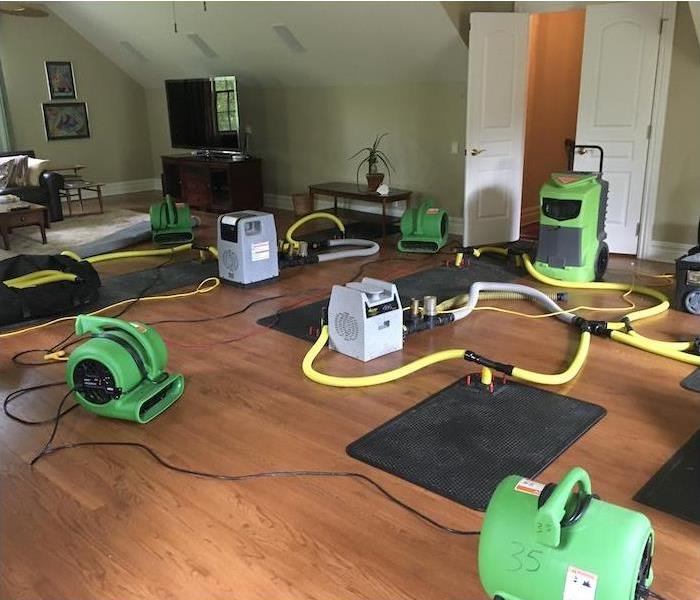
column 203, row 113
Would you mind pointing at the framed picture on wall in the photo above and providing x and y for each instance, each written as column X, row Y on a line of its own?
column 59, row 76
column 66, row 120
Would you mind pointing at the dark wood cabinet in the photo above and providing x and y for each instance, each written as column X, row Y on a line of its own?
column 213, row 184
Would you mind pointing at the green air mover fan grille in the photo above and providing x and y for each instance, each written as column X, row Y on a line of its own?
column 95, row 382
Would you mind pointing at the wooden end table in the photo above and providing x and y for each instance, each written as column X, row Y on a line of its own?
column 73, row 189
column 353, row 191
column 29, row 214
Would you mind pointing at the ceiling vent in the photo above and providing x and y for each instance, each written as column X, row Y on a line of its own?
column 204, row 48
column 133, row 51
column 288, row 38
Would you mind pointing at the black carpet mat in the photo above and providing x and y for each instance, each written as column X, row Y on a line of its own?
column 462, row 441
column 365, row 230
column 675, row 488
column 130, row 285
column 443, row 282
column 692, row 382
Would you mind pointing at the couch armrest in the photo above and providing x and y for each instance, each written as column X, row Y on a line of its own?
column 52, row 182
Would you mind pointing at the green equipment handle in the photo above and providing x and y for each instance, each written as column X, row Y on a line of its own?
column 170, row 211
column 549, row 516
column 152, row 345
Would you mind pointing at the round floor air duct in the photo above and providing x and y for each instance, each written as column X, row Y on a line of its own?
column 548, row 542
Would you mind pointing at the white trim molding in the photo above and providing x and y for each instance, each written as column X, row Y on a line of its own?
column 646, row 246
column 666, row 252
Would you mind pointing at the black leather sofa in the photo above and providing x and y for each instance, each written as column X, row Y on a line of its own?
column 46, row 193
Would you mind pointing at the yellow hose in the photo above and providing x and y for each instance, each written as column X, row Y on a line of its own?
column 316, row 215
column 27, row 283
column 71, row 254
column 138, row 253
column 367, row 380
column 477, row 252
column 563, row 377
column 33, row 275
column 655, row 348
column 636, row 315
column 431, row 359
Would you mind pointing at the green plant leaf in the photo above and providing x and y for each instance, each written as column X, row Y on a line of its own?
column 360, row 151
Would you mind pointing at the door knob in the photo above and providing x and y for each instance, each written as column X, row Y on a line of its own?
column 477, row 151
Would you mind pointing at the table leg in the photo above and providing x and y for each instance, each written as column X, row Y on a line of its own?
column 5, row 232
column 383, row 219
column 43, row 233
column 335, row 205
column 69, row 196
column 80, row 197
column 99, row 198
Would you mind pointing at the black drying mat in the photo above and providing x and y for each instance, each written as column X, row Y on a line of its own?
column 462, row 441
column 443, row 282
column 365, row 230
column 130, row 285
column 692, row 382
column 675, row 488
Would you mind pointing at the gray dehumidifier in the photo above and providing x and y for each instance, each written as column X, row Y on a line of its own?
column 365, row 319
column 247, row 246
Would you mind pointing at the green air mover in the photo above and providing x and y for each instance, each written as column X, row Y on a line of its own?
column 571, row 243
column 119, row 372
column 171, row 223
column 560, row 542
column 423, row 229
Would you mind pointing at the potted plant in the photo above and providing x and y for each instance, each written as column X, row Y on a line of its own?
column 373, row 157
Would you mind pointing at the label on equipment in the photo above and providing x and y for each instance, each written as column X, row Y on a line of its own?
column 260, row 251
column 579, row 584
column 432, row 211
column 527, row 486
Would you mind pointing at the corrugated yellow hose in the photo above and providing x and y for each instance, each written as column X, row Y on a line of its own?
column 368, row 380
column 431, row 359
column 636, row 315
column 573, row 369
column 316, row 215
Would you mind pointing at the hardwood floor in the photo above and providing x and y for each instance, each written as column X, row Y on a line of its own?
column 109, row 523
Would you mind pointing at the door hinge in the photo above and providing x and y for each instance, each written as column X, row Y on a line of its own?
column 637, row 228
column 649, row 131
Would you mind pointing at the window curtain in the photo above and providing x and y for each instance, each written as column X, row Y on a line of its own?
column 5, row 138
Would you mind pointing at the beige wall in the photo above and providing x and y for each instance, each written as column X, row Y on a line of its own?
column 678, row 205
column 305, row 135
column 118, row 149
column 554, row 78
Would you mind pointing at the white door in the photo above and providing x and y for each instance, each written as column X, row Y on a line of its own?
column 496, row 101
column 620, row 49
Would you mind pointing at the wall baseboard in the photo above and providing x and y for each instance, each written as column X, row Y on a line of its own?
column 283, row 202
column 665, row 251
column 126, row 187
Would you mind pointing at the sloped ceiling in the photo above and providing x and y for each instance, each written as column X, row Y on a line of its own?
column 695, row 12
column 341, row 42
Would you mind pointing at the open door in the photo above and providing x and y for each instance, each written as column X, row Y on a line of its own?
column 620, row 49
column 497, row 90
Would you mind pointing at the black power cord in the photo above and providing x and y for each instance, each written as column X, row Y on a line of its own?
column 60, row 412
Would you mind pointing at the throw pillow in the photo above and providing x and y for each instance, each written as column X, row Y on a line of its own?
column 7, row 168
column 35, row 167
column 20, row 172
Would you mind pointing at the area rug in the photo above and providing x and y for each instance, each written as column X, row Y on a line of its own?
column 76, row 233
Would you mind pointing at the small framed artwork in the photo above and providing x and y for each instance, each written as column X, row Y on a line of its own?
column 59, row 76
column 66, row 120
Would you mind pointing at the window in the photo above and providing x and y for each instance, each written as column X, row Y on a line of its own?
column 226, row 104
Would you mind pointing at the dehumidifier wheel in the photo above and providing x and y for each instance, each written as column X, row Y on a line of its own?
column 601, row 261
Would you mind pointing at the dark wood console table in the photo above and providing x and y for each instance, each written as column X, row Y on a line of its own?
column 213, row 183
column 353, row 191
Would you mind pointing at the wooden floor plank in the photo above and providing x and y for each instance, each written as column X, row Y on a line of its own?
column 110, row 523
